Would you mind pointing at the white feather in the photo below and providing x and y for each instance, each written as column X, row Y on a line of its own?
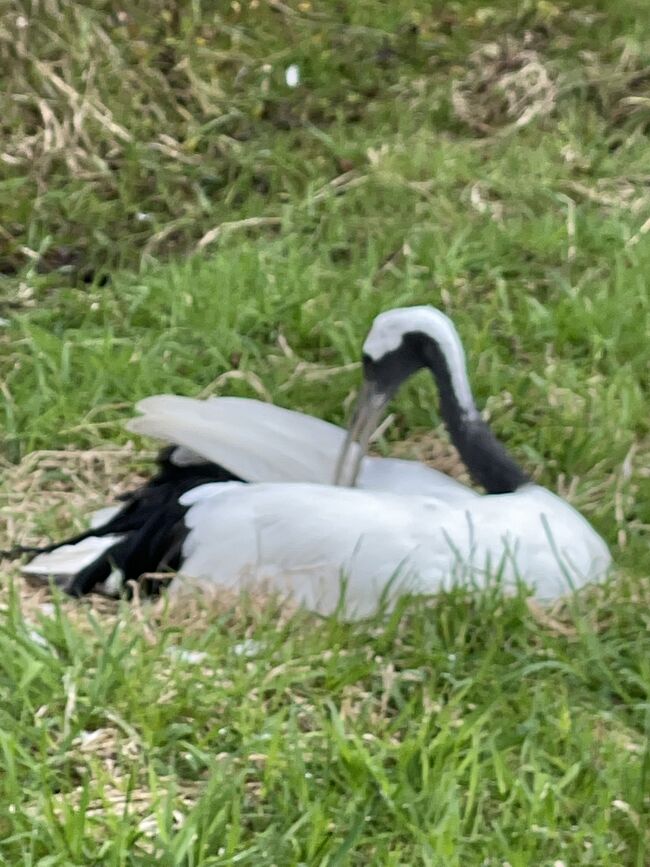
column 182, row 457
column 257, row 441
column 103, row 516
column 66, row 561
column 300, row 540
column 398, row 476
column 260, row 442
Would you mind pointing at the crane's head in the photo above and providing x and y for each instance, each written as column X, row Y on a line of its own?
column 399, row 343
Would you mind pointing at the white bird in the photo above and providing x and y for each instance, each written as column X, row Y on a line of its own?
column 230, row 438
column 219, row 439
column 313, row 541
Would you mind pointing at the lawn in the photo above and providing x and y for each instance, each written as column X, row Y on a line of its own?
column 175, row 217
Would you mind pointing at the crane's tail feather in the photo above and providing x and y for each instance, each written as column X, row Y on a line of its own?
column 142, row 536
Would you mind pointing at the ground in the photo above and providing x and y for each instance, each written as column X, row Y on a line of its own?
column 176, row 217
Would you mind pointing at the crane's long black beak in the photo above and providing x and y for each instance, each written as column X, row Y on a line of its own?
column 370, row 408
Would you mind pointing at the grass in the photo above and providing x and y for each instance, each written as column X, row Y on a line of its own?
column 464, row 733
column 175, row 218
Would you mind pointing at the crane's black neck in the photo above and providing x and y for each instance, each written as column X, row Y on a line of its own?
column 487, row 460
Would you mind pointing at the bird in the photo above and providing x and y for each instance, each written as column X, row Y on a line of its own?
column 215, row 440
column 349, row 549
column 260, row 441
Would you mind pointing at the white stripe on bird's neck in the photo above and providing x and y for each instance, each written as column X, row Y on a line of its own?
column 388, row 331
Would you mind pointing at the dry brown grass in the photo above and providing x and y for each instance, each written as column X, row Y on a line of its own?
column 72, row 481
column 65, row 486
column 506, row 87
column 433, row 449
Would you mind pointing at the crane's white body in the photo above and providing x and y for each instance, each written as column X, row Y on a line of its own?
column 259, row 442
column 303, row 540
column 407, row 528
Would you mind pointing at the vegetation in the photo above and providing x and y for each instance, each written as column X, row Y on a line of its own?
column 176, row 217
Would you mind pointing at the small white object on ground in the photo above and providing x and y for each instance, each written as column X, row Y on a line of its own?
column 248, row 647
column 292, row 75
column 194, row 657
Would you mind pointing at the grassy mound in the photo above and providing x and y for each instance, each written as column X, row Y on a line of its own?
column 177, row 217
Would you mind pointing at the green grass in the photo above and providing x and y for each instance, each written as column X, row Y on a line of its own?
column 469, row 732
column 464, row 733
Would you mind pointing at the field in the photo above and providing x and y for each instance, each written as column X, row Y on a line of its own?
column 175, row 217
